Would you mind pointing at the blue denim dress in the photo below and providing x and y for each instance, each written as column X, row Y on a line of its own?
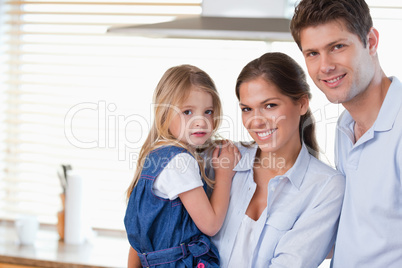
column 161, row 230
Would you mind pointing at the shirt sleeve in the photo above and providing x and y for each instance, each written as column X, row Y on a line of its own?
column 180, row 175
column 313, row 234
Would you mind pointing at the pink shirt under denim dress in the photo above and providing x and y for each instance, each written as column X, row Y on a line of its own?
column 161, row 230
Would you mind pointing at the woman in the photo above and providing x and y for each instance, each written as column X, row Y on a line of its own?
column 285, row 204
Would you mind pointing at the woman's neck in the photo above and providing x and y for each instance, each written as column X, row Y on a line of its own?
column 277, row 162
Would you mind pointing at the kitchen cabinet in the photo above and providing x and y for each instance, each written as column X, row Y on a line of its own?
column 105, row 250
column 5, row 265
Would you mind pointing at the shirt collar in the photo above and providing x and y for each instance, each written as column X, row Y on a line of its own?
column 388, row 111
column 390, row 107
column 346, row 124
column 247, row 157
column 295, row 174
column 385, row 119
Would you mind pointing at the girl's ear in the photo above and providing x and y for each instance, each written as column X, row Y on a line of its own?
column 304, row 104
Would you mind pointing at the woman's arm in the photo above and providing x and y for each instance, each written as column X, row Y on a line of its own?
column 207, row 214
column 133, row 259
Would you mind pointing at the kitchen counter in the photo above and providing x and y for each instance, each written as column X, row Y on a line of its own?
column 104, row 250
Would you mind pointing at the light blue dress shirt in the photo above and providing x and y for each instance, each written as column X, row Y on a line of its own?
column 301, row 217
column 370, row 229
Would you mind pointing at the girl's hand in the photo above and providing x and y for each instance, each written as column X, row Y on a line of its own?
column 224, row 159
column 209, row 214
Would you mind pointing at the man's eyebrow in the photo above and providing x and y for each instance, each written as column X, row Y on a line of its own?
column 331, row 44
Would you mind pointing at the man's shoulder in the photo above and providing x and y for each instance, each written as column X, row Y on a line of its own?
column 344, row 118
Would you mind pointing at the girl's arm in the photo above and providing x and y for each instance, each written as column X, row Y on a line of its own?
column 207, row 214
column 133, row 259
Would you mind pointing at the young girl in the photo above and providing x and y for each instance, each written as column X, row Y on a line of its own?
column 169, row 216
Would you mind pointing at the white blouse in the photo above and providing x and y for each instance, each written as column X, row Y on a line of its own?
column 246, row 242
column 180, row 175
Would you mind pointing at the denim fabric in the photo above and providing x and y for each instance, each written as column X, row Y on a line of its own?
column 161, row 230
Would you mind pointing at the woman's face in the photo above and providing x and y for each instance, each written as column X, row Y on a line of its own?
column 271, row 118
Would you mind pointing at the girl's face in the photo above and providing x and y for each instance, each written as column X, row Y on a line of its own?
column 271, row 118
column 192, row 121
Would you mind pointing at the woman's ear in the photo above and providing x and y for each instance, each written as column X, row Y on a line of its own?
column 304, row 104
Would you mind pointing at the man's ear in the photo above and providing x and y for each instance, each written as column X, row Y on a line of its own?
column 372, row 40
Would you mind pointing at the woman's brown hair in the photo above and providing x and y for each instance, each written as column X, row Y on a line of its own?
column 290, row 79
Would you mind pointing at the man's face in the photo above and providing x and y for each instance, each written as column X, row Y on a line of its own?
column 339, row 64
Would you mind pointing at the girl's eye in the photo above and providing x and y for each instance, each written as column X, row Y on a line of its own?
column 209, row 112
column 312, row 54
column 244, row 110
column 187, row 112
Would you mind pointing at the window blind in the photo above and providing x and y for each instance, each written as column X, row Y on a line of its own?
column 74, row 94
column 60, row 65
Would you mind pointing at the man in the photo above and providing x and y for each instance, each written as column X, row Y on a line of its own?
column 339, row 45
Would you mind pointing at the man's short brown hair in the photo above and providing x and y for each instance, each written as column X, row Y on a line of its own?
column 354, row 13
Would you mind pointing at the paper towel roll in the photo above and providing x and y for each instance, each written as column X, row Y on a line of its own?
column 74, row 232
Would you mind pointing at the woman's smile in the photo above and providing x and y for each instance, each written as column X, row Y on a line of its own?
column 263, row 135
column 271, row 118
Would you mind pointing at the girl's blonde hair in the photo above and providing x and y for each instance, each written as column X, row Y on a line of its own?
column 171, row 91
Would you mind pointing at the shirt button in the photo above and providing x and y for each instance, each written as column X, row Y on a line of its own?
column 200, row 265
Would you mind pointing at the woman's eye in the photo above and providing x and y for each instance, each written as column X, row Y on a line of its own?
column 245, row 110
column 209, row 112
column 187, row 112
column 270, row 105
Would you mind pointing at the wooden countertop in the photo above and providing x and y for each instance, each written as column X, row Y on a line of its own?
column 104, row 250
